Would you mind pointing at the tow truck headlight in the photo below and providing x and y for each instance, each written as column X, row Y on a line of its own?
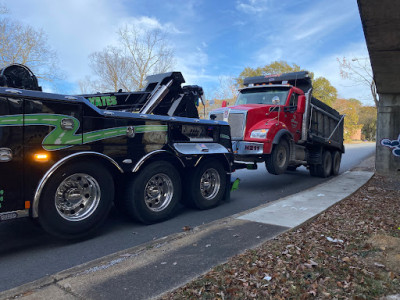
column 259, row 134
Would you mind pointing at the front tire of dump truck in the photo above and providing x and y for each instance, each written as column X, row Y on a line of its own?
column 153, row 194
column 207, row 184
column 76, row 200
column 277, row 162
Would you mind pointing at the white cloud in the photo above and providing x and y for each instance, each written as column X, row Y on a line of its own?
column 252, row 6
column 194, row 66
column 298, row 36
column 146, row 23
column 77, row 28
column 328, row 67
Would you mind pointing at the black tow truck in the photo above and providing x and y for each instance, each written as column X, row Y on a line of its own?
column 65, row 160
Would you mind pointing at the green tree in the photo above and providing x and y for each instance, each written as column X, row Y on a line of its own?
column 368, row 117
column 349, row 108
column 322, row 88
column 276, row 67
column 248, row 72
column 324, row 91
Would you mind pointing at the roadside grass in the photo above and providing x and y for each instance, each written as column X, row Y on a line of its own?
column 350, row 251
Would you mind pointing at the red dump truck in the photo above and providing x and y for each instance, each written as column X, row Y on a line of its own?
column 277, row 121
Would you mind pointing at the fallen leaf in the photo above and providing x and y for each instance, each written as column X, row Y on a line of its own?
column 379, row 265
column 391, row 275
column 346, row 259
column 314, row 293
column 313, row 263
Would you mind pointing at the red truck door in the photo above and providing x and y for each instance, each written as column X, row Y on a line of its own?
column 293, row 116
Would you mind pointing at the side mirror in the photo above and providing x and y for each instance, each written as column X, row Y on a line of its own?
column 301, row 104
column 276, row 100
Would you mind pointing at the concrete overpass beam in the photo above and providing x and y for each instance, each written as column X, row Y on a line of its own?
column 388, row 135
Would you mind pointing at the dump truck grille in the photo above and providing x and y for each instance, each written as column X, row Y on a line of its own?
column 237, row 122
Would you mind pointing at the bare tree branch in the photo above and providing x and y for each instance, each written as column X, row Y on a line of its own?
column 23, row 44
column 359, row 71
column 126, row 66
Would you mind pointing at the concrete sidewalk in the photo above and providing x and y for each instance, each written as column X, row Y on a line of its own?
column 152, row 269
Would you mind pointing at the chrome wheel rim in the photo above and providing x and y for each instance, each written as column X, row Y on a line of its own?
column 210, row 183
column 77, row 197
column 158, row 192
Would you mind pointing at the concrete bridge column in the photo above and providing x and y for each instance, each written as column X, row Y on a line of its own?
column 388, row 135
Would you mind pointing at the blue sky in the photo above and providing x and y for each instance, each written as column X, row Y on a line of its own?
column 212, row 39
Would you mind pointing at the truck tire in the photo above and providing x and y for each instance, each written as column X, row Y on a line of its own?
column 277, row 162
column 153, row 194
column 325, row 168
column 336, row 159
column 76, row 200
column 207, row 184
column 313, row 170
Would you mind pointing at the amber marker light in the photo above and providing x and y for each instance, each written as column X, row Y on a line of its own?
column 27, row 204
column 41, row 157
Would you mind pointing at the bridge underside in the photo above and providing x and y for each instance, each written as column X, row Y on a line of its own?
column 381, row 24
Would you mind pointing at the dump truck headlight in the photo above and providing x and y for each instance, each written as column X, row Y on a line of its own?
column 259, row 134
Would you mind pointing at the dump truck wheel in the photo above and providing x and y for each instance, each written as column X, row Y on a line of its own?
column 313, row 170
column 76, row 200
column 324, row 169
column 277, row 162
column 207, row 185
column 153, row 194
column 336, row 159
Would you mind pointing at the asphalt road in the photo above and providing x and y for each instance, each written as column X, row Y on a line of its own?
column 27, row 253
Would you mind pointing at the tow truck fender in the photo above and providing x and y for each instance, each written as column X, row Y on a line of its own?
column 154, row 154
column 61, row 162
column 203, row 150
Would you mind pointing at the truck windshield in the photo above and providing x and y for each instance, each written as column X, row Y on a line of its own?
column 263, row 95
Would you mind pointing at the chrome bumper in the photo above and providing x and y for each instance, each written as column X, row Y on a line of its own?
column 247, row 148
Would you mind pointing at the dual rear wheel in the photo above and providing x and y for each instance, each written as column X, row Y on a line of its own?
column 154, row 193
column 330, row 164
column 77, row 198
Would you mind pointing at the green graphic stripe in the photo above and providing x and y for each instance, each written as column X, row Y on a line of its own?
column 59, row 138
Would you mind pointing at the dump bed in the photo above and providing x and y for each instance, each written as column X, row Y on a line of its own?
column 325, row 125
